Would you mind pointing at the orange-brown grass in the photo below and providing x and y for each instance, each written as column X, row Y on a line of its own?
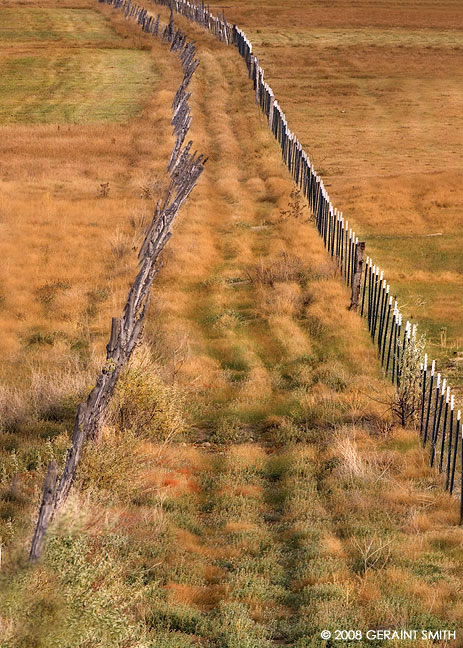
column 245, row 325
column 373, row 92
column 258, row 525
column 248, row 548
column 203, row 597
column 69, row 252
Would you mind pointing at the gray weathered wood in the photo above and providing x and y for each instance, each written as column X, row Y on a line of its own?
column 47, row 508
column 185, row 169
column 357, row 278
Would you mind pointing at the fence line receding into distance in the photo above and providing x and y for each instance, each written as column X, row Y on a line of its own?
column 440, row 423
column 439, row 426
column 184, row 168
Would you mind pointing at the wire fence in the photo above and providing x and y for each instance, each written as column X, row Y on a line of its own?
column 398, row 342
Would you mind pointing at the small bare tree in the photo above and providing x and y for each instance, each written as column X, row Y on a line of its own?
column 296, row 207
column 407, row 399
column 372, row 553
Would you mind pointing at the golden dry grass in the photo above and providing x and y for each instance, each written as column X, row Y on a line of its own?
column 69, row 252
column 257, row 525
column 373, row 91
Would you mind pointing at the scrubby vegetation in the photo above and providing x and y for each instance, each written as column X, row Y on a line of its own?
column 251, row 487
column 177, row 545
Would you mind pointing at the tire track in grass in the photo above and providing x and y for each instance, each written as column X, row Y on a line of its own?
column 250, row 563
column 261, row 530
column 271, row 565
column 232, row 590
column 223, row 316
column 316, row 572
column 244, row 552
column 266, row 522
column 247, row 193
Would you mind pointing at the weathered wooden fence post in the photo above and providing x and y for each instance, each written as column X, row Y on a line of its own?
column 357, row 279
column 184, row 170
column 380, row 309
column 47, row 508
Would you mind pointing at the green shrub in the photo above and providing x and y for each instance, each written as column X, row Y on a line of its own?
column 228, row 430
column 172, row 639
column 144, row 405
column 236, row 629
column 178, row 618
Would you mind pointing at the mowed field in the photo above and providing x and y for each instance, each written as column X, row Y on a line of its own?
column 250, row 488
column 68, row 65
column 374, row 92
column 78, row 127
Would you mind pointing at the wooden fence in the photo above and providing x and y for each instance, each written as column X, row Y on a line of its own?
column 440, row 426
column 184, row 169
column 440, row 423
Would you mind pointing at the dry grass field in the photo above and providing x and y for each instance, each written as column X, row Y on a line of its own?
column 286, row 500
column 77, row 112
column 373, row 90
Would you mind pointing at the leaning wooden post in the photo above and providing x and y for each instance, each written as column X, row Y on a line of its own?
column 47, row 508
column 358, row 271
column 78, row 439
column 170, row 27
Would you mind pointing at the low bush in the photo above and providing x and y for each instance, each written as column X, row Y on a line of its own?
column 144, row 405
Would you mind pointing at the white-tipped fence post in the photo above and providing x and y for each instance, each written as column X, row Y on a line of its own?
column 450, row 442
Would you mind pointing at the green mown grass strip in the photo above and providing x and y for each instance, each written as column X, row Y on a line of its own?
column 28, row 24
column 81, row 86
